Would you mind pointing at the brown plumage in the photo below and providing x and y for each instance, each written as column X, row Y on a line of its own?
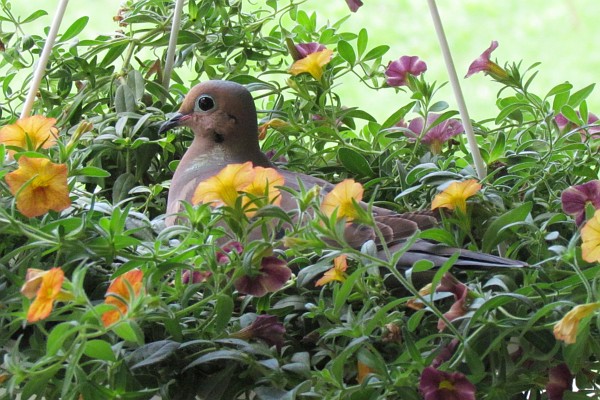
column 222, row 116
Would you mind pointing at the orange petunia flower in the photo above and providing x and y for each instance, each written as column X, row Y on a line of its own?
column 337, row 273
column 566, row 328
column 455, row 195
column 362, row 370
column 312, row 64
column 39, row 186
column 265, row 183
column 119, row 295
column 224, row 187
column 590, row 235
column 342, row 199
column 30, row 133
column 49, row 288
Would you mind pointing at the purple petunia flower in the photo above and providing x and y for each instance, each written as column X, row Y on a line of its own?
column 484, row 64
column 271, row 276
column 354, row 4
column 190, row 276
column 439, row 385
column 460, row 291
column 564, row 125
column 560, row 380
column 397, row 71
column 436, row 136
column 574, row 199
column 266, row 328
column 304, row 49
column 222, row 256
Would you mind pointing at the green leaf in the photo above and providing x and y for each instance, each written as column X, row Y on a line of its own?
column 100, row 350
column 346, row 51
column 35, row 15
column 377, row 52
column 496, row 232
column 92, row 172
column 361, row 43
column 560, row 88
column 154, row 353
column 125, row 99
column 124, row 183
column 345, row 290
column 223, row 311
column 128, row 330
column 75, row 28
column 354, row 162
column 232, row 355
column 581, row 95
column 59, row 335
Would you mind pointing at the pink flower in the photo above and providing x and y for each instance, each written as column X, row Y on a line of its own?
column 304, row 49
column 484, row 64
column 398, row 71
column 266, row 328
column 222, row 256
column 438, row 135
column 575, row 199
column 190, row 276
column 445, row 354
column 460, row 291
column 354, row 4
column 271, row 276
column 564, row 125
column 439, row 385
column 560, row 380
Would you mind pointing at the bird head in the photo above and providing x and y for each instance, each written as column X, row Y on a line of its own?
column 218, row 112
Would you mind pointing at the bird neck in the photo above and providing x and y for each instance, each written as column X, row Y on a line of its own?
column 205, row 154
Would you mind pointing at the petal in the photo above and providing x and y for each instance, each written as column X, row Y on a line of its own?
column 482, row 63
column 223, row 187
column 341, row 198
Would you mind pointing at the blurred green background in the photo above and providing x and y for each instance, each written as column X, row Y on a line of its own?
column 560, row 34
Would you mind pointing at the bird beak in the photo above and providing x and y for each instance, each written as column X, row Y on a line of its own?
column 174, row 122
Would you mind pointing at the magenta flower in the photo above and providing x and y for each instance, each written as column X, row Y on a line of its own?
column 190, row 276
column 304, row 49
column 460, row 291
column 436, row 136
column 354, row 4
column 560, row 380
column 484, row 64
column 446, row 353
column 575, row 199
column 439, row 385
column 266, row 328
column 397, row 71
column 271, row 276
column 564, row 125
column 222, row 256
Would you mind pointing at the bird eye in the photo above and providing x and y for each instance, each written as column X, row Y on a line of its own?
column 206, row 103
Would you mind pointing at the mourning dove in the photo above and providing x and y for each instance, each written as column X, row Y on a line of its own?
column 222, row 116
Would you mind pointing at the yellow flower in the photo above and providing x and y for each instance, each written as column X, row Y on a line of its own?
column 337, row 273
column 590, row 235
column 48, row 291
column 342, row 199
column 39, row 186
column 265, row 184
column 119, row 295
column 415, row 303
column 456, row 195
column 566, row 328
column 38, row 130
column 272, row 123
column 312, row 63
column 224, row 188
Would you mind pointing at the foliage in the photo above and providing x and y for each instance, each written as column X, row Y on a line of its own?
column 180, row 338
